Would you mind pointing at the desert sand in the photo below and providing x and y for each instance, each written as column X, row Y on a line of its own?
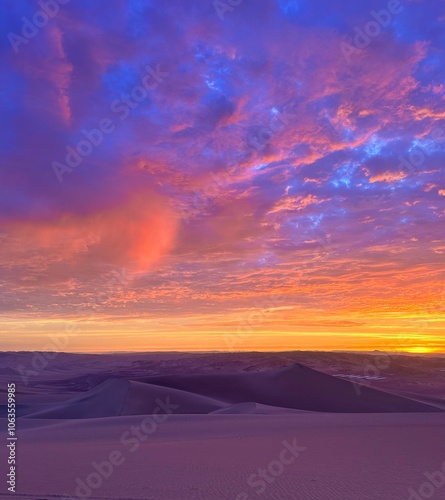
column 227, row 426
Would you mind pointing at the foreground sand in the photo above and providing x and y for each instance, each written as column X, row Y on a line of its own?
column 252, row 426
column 346, row 457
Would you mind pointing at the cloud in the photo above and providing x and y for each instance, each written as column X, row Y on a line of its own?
column 264, row 163
column 135, row 233
column 388, row 177
column 296, row 203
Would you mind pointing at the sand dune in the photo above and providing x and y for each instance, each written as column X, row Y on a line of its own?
column 255, row 408
column 294, row 388
column 121, row 397
column 105, row 400
column 142, row 400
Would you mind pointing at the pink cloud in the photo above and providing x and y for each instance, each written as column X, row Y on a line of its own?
column 135, row 233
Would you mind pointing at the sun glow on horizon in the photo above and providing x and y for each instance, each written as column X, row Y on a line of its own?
column 421, row 350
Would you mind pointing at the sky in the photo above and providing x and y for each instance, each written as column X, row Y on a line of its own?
column 222, row 175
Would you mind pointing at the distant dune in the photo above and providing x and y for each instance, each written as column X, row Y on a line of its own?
column 296, row 387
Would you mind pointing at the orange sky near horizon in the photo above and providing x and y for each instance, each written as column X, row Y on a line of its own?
column 245, row 330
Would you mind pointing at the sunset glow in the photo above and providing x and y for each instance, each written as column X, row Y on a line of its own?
column 188, row 182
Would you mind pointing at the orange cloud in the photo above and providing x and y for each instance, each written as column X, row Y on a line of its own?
column 387, row 177
column 296, row 203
